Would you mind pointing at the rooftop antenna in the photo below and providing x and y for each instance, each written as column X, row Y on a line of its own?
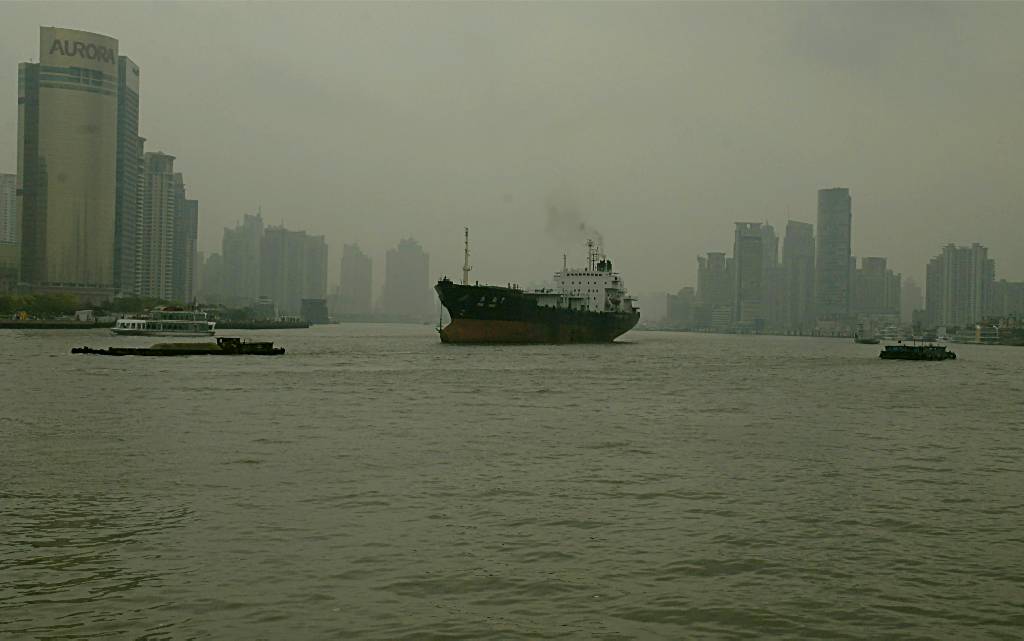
column 465, row 264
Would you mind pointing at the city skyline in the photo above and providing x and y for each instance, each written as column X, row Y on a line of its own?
column 359, row 165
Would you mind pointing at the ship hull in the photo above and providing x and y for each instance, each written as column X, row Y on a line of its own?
column 482, row 314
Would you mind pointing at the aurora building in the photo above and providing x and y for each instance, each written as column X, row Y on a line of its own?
column 67, row 164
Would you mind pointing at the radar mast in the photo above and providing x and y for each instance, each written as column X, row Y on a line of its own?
column 465, row 264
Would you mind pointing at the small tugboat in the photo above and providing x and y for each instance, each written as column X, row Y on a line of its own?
column 223, row 347
column 905, row 352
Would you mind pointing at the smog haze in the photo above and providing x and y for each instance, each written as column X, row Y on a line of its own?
column 655, row 125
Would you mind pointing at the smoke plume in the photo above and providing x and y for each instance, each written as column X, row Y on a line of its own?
column 566, row 224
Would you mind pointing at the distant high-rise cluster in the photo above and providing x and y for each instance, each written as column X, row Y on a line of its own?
column 273, row 266
column 815, row 285
column 820, row 288
column 96, row 216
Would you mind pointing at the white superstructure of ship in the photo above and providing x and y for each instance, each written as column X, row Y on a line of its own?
column 594, row 288
column 166, row 321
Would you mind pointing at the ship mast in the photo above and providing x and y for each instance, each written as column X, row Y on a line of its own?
column 465, row 264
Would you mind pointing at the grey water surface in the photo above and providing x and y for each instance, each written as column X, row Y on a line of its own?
column 375, row 484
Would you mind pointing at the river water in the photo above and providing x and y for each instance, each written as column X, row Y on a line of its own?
column 375, row 484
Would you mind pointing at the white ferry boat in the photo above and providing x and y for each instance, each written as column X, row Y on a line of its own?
column 166, row 321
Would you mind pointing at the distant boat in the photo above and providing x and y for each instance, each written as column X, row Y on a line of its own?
column 166, row 321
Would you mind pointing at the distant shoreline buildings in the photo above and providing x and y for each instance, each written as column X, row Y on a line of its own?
column 819, row 287
column 91, row 214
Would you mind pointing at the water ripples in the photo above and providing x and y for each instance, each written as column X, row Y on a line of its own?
column 374, row 484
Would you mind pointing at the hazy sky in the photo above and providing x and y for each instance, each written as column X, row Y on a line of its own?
column 662, row 124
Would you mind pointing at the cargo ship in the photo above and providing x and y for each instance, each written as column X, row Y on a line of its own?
column 586, row 305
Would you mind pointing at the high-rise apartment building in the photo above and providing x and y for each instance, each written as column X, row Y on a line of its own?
column 161, row 188
column 771, row 276
column 958, row 290
column 1007, row 300
column 9, row 263
column 876, row 289
column 714, row 280
column 130, row 167
column 8, row 209
column 240, row 261
column 186, row 230
column 833, row 254
column 680, row 308
column 356, row 282
column 67, row 163
column 798, row 276
column 748, row 292
column 714, row 291
column 407, row 293
column 293, row 267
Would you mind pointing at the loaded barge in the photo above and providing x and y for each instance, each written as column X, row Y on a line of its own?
column 223, row 347
column 901, row 351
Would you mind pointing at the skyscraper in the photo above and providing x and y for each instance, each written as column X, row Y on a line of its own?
column 128, row 203
column 798, row 276
column 407, row 293
column 356, row 280
column 9, row 264
column 293, row 267
column 161, row 187
column 8, row 209
column 876, row 289
column 748, row 254
column 714, row 283
column 832, row 254
column 958, row 290
column 186, row 230
column 771, row 277
column 714, row 291
column 67, row 169
column 240, row 251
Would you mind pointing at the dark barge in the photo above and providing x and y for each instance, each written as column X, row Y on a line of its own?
column 224, row 346
column 902, row 351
